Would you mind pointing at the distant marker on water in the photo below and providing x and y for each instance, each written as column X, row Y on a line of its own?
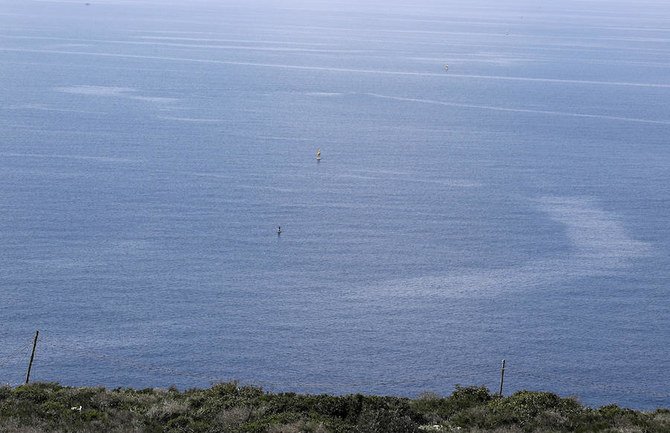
column 318, row 155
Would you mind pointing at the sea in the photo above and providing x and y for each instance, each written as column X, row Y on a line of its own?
column 494, row 184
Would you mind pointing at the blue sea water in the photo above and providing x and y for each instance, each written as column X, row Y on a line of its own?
column 513, row 207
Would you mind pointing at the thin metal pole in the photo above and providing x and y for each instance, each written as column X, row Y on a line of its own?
column 502, row 377
column 32, row 357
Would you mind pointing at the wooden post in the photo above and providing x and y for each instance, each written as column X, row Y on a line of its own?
column 32, row 357
column 502, row 377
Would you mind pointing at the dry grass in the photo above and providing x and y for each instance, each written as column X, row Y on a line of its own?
column 13, row 426
column 299, row 427
column 235, row 417
column 162, row 410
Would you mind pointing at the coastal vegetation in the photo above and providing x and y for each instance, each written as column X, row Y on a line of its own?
column 229, row 407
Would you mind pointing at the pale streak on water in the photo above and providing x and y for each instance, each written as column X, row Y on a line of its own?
column 514, row 207
column 599, row 246
column 351, row 70
column 521, row 110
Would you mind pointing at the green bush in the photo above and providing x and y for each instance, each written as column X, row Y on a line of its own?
column 436, row 409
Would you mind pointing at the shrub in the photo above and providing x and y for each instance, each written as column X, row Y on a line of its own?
column 436, row 409
column 524, row 406
column 36, row 392
column 386, row 420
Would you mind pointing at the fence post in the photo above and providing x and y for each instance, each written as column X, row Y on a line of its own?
column 32, row 357
column 502, row 377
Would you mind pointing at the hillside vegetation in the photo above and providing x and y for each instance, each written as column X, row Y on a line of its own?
column 227, row 407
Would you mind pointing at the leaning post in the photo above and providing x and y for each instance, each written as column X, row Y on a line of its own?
column 502, row 378
column 32, row 357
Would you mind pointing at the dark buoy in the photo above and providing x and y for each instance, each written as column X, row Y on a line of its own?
column 278, row 230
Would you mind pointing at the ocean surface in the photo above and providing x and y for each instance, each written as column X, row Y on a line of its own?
column 515, row 206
